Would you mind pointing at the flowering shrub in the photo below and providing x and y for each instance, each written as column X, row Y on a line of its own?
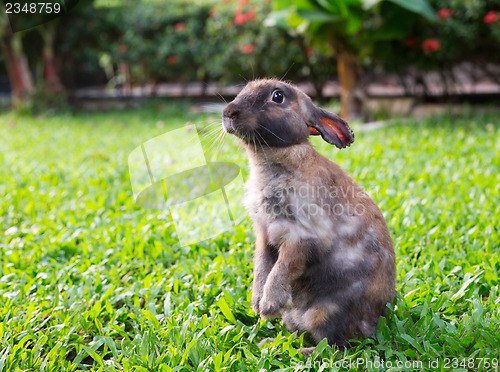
column 182, row 41
column 226, row 41
column 466, row 31
column 166, row 42
column 241, row 48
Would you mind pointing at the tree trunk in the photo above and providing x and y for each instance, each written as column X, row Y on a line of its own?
column 20, row 78
column 124, row 72
column 350, row 76
column 52, row 82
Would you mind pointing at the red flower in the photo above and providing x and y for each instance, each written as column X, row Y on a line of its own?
column 243, row 2
column 411, row 42
column 431, row 45
column 444, row 13
column 123, row 49
column 309, row 51
column 172, row 60
column 250, row 16
column 247, row 48
column 239, row 19
column 181, row 26
column 490, row 17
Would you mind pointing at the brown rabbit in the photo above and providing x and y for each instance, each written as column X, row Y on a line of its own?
column 324, row 259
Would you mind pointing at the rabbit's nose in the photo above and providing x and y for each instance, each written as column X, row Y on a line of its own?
column 231, row 112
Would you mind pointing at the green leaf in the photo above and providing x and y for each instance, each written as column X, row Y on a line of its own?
column 287, row 19
column 112, row 346
column 90, row 351
column 226, row 310
column 319, row 348
column 278, row 18
column 94, row 355
column 367, row 4
column 4, row 358
column 421, row 7
column 319, row 16
column 412, row 342
column 165, row 368
column 167, row 305
column 468, row 280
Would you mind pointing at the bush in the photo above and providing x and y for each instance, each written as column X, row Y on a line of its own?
column 242, row 48
column 466, row 31
column 227, row 41
column 179, row 41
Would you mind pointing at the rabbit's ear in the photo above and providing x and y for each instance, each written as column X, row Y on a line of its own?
column 331, row 127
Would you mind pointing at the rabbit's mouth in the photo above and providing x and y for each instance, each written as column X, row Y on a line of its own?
column 228, row 125
column 233, row 126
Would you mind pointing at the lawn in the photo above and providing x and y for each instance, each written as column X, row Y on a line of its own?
column 91, row 281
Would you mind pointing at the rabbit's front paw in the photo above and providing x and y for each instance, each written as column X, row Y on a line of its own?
column 256, row 299
column 273, row 302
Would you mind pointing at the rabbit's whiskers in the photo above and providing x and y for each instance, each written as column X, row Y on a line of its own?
column 274, row 134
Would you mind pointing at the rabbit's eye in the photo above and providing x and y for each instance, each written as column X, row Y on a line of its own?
column 278, row 96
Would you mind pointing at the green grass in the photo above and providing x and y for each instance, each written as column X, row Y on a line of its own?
column 90, row 281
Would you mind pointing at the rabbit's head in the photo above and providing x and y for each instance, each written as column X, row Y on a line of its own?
column 276, row 114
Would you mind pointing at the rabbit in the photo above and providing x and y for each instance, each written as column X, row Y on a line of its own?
column 324, row 259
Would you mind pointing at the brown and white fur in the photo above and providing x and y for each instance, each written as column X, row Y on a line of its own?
column 324, row 259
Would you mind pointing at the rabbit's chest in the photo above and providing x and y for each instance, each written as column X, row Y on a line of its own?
column 274, row 199
column 289, row 210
